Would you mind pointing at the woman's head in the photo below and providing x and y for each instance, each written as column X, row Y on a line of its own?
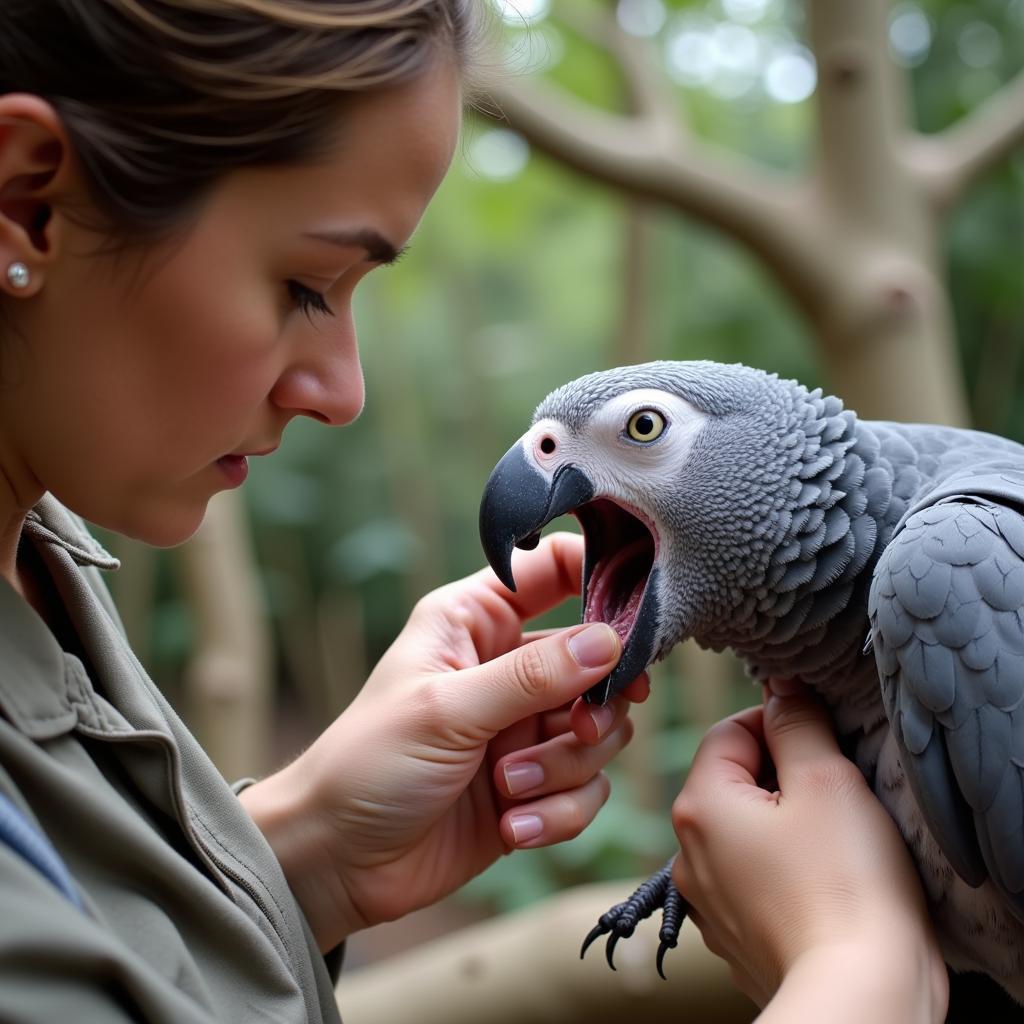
column 195, row 187
column 159, row 98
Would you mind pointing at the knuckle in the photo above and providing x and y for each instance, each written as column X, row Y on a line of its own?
column 530, row 669
column 716, row 733
column 428, row 606
column 574, row 820
column 432, row 703
column 686, row 816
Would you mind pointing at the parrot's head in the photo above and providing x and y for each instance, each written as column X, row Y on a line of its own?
column 684, row 476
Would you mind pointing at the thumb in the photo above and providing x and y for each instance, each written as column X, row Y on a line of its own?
column 538, row 676
column 799, row 734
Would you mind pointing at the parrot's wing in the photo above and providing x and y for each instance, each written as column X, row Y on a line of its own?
column 947, row 617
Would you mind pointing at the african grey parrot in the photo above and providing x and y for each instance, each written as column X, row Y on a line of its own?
column 881, row 563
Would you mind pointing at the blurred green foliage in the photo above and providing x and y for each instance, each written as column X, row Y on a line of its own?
column 515, row 283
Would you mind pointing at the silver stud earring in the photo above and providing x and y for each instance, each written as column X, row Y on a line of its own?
column 18, row 275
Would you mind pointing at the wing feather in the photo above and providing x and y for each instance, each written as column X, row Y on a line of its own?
column 947, row 615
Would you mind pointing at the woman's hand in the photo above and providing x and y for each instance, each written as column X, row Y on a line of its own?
column 807, row 880
column 467, row 740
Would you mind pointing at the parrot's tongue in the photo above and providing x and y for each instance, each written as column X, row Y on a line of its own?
column 616, row 586
column 620, row 555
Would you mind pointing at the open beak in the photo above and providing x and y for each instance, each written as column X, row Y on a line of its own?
column 620, row 574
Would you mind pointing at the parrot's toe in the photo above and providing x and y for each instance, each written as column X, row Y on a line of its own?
column 620, row 922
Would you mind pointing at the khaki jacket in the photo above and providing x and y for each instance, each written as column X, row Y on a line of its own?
column 187, row 917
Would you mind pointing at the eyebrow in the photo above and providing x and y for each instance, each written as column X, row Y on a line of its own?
column 378, row 248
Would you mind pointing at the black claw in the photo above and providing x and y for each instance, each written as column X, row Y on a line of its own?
column 595, row 932
column 610, row 949
column 662, row 950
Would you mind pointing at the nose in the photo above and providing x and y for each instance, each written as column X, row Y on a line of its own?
column 324, row 379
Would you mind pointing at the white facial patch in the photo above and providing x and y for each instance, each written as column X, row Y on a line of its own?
column 617, row 464
column 620, row 464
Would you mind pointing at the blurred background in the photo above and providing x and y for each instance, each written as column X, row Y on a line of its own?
column 832, row 190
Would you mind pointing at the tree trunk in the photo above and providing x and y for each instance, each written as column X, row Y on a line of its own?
column 228, row 680
column 854, row 240
column 885, row 326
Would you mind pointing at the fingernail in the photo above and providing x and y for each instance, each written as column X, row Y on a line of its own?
column 525, row 827
column 602, row 718
column 523, row 776
column 594, row 646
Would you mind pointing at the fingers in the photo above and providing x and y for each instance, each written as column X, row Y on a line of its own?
column 639, row 690
column 635, row 692
column 730, row 752
column 590, row 722
column 553, row 819
column 481, row 610
column 800, row 739
column 537, row 677
column 544, row 577
column 562, row 763
column 576, row 716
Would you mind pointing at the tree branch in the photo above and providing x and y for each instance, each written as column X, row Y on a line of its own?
column 949, row 162
column 524, row 968
column 767, row 213
column 640, row 67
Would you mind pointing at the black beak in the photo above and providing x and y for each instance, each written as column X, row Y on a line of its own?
column 519, row 501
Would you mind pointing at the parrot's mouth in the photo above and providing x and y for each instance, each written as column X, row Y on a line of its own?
column 620, row 571
column 621, row 548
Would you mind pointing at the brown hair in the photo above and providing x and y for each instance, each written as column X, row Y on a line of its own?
column 160, row 98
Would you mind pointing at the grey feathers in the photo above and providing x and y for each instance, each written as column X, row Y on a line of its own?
column 793, row 531
column 946, row 613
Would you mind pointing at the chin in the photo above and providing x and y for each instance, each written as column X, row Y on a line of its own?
column 158, row 524
column 163, row 534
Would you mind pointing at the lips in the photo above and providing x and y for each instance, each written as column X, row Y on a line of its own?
column 234, row 467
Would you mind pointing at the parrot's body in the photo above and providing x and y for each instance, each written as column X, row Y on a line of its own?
column 881, row 563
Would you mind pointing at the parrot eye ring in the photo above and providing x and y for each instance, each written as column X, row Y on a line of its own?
column 645, row 425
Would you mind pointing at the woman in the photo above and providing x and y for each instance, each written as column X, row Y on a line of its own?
column 189, row 193
column 190, row 190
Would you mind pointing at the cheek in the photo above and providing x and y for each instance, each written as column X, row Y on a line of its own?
column 216, row 347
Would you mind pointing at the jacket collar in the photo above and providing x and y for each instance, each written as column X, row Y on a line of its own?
column 35, row 695
column 50, row 522
column 45, row 692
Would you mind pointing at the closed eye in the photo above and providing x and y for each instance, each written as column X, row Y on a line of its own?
column 308, row 300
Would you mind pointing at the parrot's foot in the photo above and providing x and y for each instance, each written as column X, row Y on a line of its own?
column 658, row 891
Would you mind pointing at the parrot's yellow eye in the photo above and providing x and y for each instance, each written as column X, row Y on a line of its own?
column 645, row 425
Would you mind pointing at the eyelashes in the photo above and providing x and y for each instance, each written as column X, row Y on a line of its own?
column 308, row 300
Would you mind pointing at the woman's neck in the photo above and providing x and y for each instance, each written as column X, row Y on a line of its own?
column 15, row 502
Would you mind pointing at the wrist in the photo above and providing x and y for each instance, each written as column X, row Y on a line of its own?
column 285, row 809
column 898, row 981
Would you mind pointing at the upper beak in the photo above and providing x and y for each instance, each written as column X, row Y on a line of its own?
column 519, row 501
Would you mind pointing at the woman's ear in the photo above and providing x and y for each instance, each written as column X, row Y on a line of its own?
column 35, row 169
